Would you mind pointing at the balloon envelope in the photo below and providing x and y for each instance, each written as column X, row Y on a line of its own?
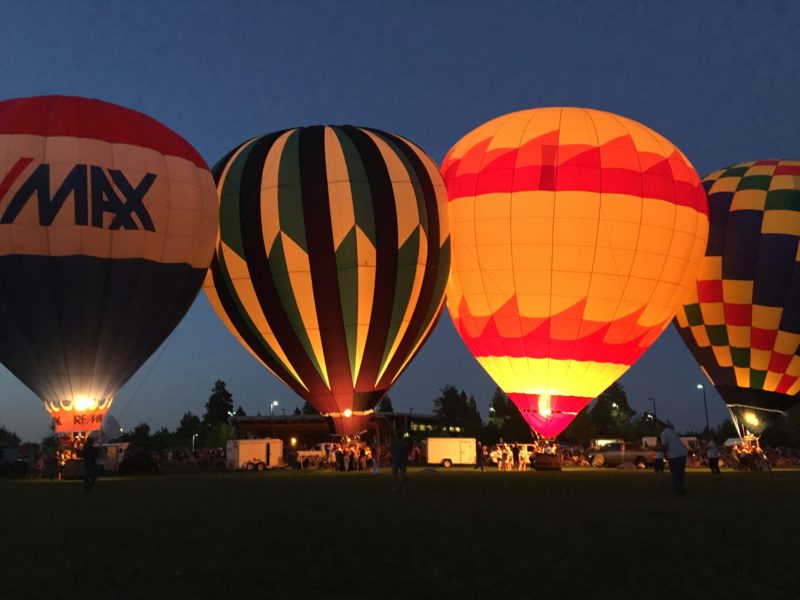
column 742, row 319
column 107, row 225
column 576, row 234
column 332, row 260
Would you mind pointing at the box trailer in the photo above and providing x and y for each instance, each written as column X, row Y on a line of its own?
column 112, row 455
column 450, row 451
column 254, row 455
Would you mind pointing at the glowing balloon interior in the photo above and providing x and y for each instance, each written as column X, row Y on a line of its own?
column 742, row 319
column 332, row 260
column 576, row 233
column 107, row 226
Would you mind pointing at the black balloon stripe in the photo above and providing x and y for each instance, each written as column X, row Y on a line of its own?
column 420, row 315
column 385, row 215
column 259, row 268
column 322, row 259
column 223, row 286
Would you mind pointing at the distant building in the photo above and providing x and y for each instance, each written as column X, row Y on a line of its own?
column 308, row 430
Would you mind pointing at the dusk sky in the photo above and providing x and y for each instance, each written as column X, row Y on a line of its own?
column 721, row 80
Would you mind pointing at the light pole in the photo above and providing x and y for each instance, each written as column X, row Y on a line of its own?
column 194, row 435
column 655, row 414
column 700, row 386
column 271, row 415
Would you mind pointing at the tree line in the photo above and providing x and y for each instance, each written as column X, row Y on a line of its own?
column 609, row 416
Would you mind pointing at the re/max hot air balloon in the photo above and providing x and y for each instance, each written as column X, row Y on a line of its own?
column 742, row 319
column 107, row 227
column 576, row 234
column 332, row 260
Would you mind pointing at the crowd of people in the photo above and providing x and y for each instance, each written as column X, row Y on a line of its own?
column 517, row 456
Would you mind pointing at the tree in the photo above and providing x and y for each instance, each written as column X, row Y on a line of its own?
column 218, row 435
column 8, row 438
column 612, row 413
column 240, row 412
column 140, row 433
column 581, row 430
column 385, row 405
column 190, row 425
column 219, row 407
column 297, row 412
column 505, row 420
column 450, row 405
column 455, row 408
column 163, row 439
column 309, row 410
column 499, row 406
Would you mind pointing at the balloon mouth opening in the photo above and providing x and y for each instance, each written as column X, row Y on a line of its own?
column 78, row 414
column 349, row 421
column 752, row 419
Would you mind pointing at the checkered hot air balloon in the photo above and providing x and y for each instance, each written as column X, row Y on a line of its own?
column 576, row 234
column 742, row 319
column 332, row 260
column 107, row 226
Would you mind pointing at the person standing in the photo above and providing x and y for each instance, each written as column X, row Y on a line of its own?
column 478, row 457
column 676, row 457
column 713, row 457
column 89, row 466
column 658, row 463
column 515, row 457
column 400, row 449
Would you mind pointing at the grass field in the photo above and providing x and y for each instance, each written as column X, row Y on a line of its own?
column 453, row 534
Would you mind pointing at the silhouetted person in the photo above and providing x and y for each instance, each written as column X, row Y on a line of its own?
column 89, row 466
column 676, row 457
column 478, row 457
column 400, row 449
column 713, row 457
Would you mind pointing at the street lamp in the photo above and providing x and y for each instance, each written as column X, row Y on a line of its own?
column 271, row 414
column 194, row 435
column 700, row 386
column 655, row 414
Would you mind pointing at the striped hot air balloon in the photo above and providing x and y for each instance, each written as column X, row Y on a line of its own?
column 576, row 234
column 742, row 319
column 332, row 260
column 107, row 227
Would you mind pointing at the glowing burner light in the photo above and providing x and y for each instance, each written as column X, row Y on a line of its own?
column 84, row 403
column 544, row 405
column 751, row 419
column 348, row 413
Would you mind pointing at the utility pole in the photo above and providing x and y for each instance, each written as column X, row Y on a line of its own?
column 700, row 386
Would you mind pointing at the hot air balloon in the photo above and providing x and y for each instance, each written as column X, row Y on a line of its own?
column 332, row 260
column 576, row 233
column 107, row 227
column 742, row 319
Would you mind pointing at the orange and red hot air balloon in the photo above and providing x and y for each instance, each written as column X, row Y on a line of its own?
column 576, row 234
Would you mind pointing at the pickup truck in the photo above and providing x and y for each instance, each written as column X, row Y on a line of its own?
column 619, row 453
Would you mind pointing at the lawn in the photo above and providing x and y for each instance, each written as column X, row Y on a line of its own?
column 451, row 534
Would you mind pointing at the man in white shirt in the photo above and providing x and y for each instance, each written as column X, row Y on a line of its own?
column 676, row 456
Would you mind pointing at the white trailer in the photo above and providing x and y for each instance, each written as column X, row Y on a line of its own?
column 450, row 451
column 112, row 456
column 254, row 455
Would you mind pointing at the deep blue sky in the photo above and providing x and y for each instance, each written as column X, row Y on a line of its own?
column 719, row 79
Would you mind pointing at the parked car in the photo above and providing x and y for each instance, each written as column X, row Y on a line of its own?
column 618, row 453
